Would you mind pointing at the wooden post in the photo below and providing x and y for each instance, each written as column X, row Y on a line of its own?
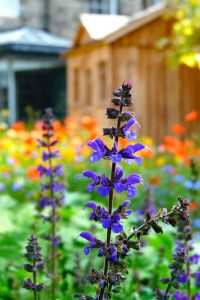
column 12, row 105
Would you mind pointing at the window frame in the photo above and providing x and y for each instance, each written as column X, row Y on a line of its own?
column 76, row 85
column 103, row 6
column 102, row 66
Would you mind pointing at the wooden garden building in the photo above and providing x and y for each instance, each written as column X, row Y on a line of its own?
column 109, row 50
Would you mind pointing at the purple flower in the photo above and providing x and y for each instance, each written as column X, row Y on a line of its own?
column 48, row 155
column 113, row 221
column 179, row 246
column 122, row 210
column 89, row 237
column 101, row 151
column 128, row 153
column 197, row 223
column 49, row 171
column 120, row 184
column 103, row 181
column 182, row 277
column 44, row 201
column 113, row 254
column 168, row 168
column 194, row 259
column 44, row 171
column 96, row 213
column 114, row 155
column 197, row 279
column 100, row 214
column 16, row 187
column 189, row 184
column 58, row 170
column 197, row 296
column 56, row 241
column 130, row 135
column 2, row 187
column 180, row 296
column 126, row 184
column 94, row 243
column 178, row 178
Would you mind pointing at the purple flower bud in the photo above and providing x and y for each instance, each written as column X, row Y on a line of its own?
column 112, row 113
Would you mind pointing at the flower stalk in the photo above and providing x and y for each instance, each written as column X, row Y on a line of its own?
column 180, row 269
column 116, row 248
column 52, row 191
column 35, row 264
column 110, row 205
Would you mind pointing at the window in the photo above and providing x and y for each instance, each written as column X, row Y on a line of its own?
column 88, row 87
column 9, row 8
column 76, row 85
column 146, row 3
column 102, row 81
column 103, row 6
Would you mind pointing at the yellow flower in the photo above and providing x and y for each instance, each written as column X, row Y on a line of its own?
column 160, row 161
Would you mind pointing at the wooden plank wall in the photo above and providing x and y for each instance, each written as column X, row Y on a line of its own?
column 163, row 95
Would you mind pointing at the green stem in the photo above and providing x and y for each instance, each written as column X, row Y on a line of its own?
column 53, row 229
column 168, row 288
column 146, row 224
column 35, row 281
column 110, row 205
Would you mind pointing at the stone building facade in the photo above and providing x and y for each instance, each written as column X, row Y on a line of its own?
column 61, row 16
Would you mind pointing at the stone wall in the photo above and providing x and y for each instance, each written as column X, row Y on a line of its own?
column 59, row 16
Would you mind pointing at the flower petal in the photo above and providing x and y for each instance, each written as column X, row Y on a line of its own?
column 88, row 236
column 125, row 203
column 118, row 173
column 87, row 249
column 90, row 174
column 117, row 227
column 92, row 205
column 119, row 187
column 116, row 158
column 133, row 179
column 103, row 190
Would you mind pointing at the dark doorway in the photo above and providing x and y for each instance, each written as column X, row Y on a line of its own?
column 40, row 89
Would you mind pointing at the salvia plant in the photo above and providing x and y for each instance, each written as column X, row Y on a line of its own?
column 35, row 265
column 52, row 192
column 114, row 250
column 178, row 285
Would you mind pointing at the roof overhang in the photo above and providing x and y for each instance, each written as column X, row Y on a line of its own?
column 31, row 42
column 138, row 20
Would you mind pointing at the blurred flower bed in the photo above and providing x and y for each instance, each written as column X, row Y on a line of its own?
column 169, row 170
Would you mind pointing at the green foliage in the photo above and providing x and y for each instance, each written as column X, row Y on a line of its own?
column 186, row 33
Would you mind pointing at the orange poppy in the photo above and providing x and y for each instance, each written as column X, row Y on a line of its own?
column 32, row 173
column 192, row 116
column 146, row 153
column 18, row 126
column 88, row 123
column 193, row 205
column 154, row 180
column 178, row 129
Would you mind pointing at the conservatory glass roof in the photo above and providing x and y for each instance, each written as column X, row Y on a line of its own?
column 28, row 39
